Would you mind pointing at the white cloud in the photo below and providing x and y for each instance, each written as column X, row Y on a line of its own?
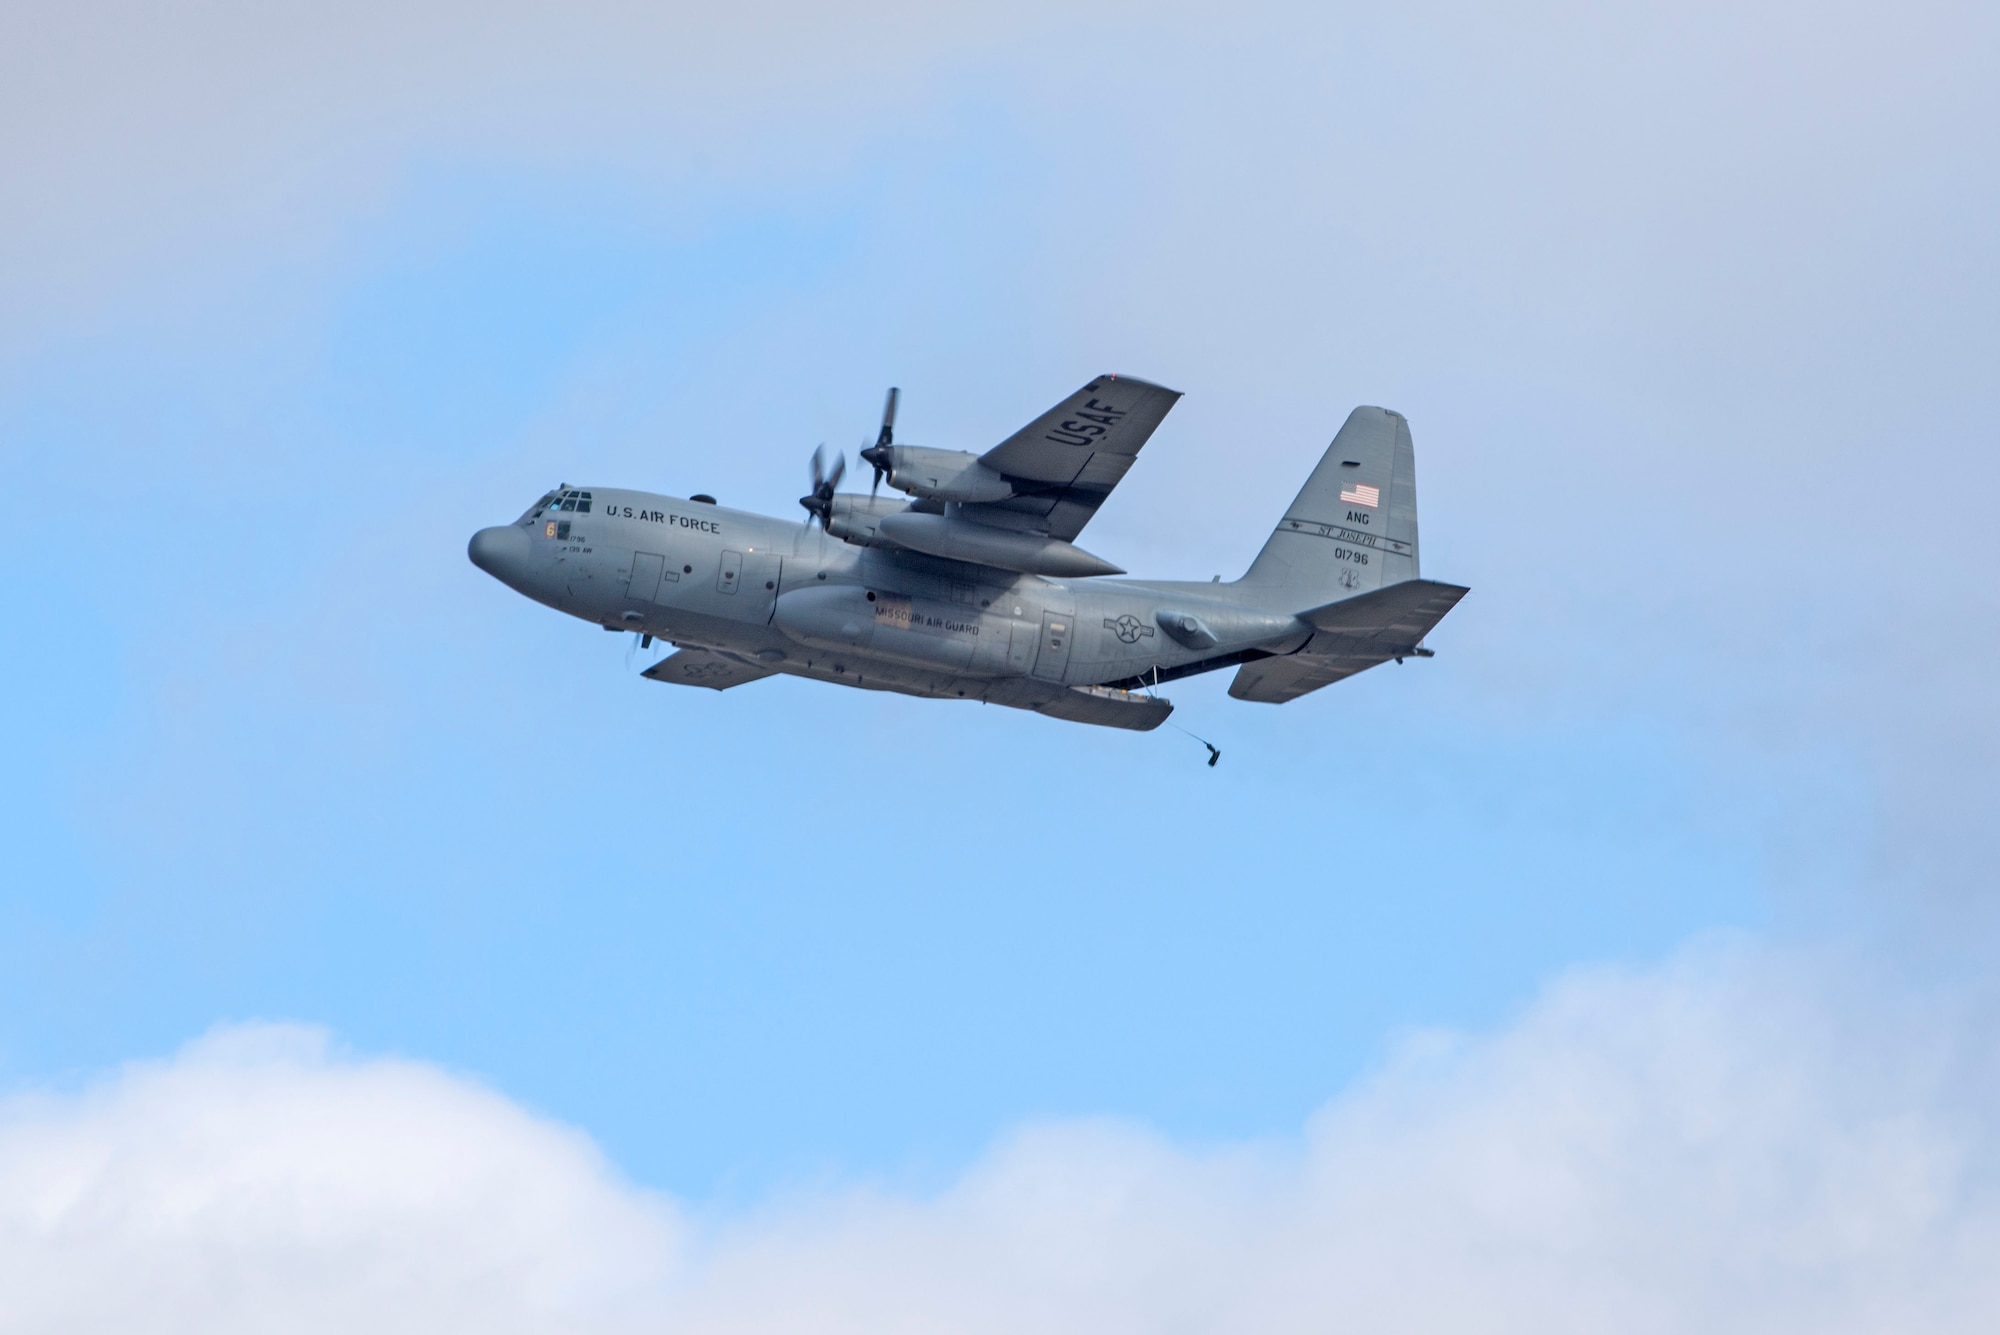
column 258, row 1182
column 1739, row 1141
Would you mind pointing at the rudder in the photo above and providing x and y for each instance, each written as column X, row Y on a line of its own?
column 1353, row 527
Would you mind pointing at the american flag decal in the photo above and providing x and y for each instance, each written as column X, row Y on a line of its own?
column 1362, row 494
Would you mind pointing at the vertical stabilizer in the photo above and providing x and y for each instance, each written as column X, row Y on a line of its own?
column 1353, row 527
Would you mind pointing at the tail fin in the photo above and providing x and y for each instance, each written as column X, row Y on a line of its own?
column 1353, row 527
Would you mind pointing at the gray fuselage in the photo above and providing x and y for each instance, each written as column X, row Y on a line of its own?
column 789, row 598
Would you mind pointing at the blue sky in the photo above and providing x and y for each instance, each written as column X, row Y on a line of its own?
column 1694, row 328
column 363, row 788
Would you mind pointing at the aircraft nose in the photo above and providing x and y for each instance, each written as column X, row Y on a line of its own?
column 501, row 552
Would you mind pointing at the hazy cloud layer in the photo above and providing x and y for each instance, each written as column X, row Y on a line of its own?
column 1740, row 1141
column 141, row 141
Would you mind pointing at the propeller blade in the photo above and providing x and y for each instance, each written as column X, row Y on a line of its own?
column 820, row 501
column 888, row 435
column 878, row 453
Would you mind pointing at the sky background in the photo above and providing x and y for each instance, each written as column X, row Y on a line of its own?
column 328, row 849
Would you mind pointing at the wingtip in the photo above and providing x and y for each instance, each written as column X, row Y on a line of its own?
column 1141, row 381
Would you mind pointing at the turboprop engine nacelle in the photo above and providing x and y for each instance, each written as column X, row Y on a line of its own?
column 855, row 518
column 944, row 475
column 981, row 544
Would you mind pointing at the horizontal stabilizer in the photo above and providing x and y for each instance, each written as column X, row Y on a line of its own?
column 1348, row 637
column 703, row 667
column 1275, row 681
column 1389, row 618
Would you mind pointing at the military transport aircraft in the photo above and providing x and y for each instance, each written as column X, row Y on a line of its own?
column 973, row 587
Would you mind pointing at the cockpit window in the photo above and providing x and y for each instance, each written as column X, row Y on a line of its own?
column 567, row 499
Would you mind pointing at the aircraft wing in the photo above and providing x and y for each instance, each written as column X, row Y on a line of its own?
column 1348, row 637
column 703, row 667
column 1065, row 462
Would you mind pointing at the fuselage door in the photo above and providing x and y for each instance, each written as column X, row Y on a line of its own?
column 731, row 573
column 644, row 586
column 1052, row 656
